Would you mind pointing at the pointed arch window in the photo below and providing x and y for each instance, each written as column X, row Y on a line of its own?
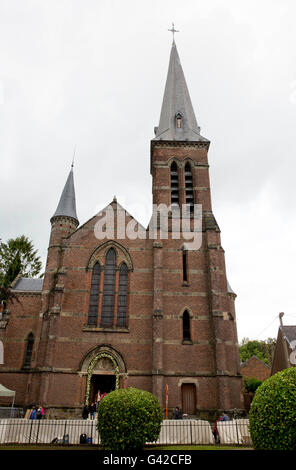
column 174, row 184
column 94, row 295
column 186, row 326
column 109, row 289
column 189, row 188
column 122, row 295
column 29, row 350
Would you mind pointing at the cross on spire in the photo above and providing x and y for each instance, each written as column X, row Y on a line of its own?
column 173, row 30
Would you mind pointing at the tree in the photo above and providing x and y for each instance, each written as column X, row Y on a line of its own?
column 262, row 349
column 273, row 412
column 17, row 256
column 128, row 418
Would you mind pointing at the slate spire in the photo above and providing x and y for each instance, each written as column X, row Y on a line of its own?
column 177, row 118
column 67, row 203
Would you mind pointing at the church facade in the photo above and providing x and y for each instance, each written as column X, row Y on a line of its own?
column 144, row 311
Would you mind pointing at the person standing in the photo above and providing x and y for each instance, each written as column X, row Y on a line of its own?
column 92, row 410
column 85, row 412
column 40, row 412
column 33, row 414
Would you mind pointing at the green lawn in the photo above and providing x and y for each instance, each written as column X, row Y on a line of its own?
column 90, row 447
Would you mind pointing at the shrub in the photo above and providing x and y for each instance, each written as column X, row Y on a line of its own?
column 273, row 413
column 251, row 384
column 127, row 418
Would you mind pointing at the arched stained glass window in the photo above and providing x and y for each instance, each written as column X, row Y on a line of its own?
column 29, row 350
column 94, row 295
column 122, row 295
column 109, row 289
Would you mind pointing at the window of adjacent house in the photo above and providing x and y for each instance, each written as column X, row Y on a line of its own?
column 94, row 295
column 186, row 326
column 174, row 184
column 109, row 289
column 29, row 350
column 189, row 187
column 122, row 295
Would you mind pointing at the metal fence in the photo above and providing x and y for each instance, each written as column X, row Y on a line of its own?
column 45, row 431
column 11, row 412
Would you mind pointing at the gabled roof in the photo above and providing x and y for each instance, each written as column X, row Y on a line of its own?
column 67, row 203
column 176, row 100
column 26, row 284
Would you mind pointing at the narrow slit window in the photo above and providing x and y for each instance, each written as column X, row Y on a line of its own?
column 109, row 289
column 186, row 326
column 174, row 185
column 1, row 353
column 94, row 295
column 189, row 197
column 185, row 265
column 122, row 296
column 29, row 350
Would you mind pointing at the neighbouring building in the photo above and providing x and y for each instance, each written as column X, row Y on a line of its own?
column 255, row 368
column 142, row 312
column 284, row 353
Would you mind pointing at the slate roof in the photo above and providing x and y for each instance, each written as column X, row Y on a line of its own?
column 290, row 332
column 176, row 100
column 26, row 284
column 67, row 203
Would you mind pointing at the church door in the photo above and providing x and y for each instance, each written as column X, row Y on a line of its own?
column 189, row 399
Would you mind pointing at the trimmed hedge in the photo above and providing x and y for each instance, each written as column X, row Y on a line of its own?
column 272, row 414
column 128, row 418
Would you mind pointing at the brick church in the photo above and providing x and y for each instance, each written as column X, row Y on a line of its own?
column 131, row 311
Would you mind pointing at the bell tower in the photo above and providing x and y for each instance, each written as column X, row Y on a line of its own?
column 194, row 326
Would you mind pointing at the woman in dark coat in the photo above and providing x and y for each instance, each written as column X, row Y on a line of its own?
column 85, row 412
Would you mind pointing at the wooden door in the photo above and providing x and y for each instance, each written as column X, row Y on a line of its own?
column 189, row 399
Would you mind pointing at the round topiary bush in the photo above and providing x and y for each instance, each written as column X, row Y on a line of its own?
column 128, row 418
column 273, row 413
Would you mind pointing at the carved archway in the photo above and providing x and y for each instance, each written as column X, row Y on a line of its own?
column 98, row 361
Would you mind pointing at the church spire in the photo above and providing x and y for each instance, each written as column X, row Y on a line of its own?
column 177, row 119
column 67, row 203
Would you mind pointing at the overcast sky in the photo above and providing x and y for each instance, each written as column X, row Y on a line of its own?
column 91, row 74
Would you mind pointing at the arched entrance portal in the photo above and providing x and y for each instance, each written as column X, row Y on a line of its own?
column 103, row 368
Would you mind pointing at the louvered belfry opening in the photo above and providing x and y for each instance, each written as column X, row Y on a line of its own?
column 122, row 295
column 189, row 188
column 109, row 289
column 94, row 295
column 174, row 185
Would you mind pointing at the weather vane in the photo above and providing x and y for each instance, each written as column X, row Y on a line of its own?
column 173, row 30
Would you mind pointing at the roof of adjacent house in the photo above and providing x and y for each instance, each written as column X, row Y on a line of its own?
column 290, row 333
column 26, row 284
